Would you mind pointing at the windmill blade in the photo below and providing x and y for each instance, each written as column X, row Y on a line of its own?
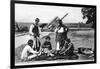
column 64, row 16
column 52, row 21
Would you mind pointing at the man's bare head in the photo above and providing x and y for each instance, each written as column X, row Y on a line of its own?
column 37, row 20
column 30, row 42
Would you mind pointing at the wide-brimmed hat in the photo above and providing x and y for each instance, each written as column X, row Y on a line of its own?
column 68, row 40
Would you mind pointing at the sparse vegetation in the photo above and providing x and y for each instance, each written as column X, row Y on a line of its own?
column 83, row 38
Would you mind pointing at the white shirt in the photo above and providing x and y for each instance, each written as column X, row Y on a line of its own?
column 30, row 30
column 59, row 30
column 25, row 51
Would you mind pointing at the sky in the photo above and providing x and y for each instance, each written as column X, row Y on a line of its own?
column 28, row 13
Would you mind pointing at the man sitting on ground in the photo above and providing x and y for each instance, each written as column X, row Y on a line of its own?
column 68, row 48
column 46, row 47
column 28, row 52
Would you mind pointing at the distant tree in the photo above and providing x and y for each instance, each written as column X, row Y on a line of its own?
column 24, row 29
column 43, row 25
column 89, row 13
column 17, row 28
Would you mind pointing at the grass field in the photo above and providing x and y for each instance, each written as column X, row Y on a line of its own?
column 80, row 38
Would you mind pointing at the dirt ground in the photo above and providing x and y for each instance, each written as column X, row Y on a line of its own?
column 83, row 38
